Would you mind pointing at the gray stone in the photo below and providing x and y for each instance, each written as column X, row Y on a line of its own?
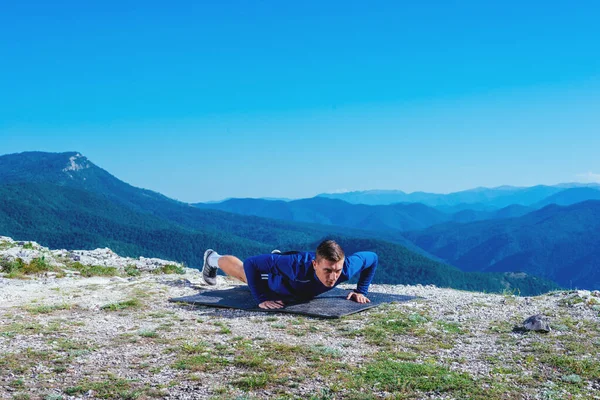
column 537, row 323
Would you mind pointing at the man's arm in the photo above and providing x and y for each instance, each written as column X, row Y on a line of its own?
column 364, row 262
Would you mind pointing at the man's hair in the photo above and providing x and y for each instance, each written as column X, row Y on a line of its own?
column 330, row 251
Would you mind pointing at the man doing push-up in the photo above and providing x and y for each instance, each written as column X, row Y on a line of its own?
column 277, row 278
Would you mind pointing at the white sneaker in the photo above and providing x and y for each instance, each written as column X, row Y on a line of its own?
column 209, row 272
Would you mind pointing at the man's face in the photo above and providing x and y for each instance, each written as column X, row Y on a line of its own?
column 327, row 271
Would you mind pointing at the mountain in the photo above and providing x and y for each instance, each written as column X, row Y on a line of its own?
column 570, row 196
column 498, row 197
column 82, row 213
column 556, row 242
column 511, row 211
column 73, row 170
column 395, row 217
column 378, row 218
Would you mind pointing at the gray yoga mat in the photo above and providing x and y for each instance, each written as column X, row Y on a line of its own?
column 331, row 304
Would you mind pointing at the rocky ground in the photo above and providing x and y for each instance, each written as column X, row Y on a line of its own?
column 76, row 331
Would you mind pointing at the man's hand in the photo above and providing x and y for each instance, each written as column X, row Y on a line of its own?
column 358, row 297
column 271, row 304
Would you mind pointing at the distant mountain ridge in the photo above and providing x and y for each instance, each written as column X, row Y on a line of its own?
column 376, row 218
column 498, row 197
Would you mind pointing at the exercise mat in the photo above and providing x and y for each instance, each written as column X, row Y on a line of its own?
column 331, row 304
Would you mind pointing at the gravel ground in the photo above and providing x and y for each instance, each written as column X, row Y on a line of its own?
column 58, row 340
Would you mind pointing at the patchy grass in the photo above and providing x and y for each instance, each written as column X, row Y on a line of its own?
column 148, row 334
column 122, row 305
column 406, row 377
column 18, row 269
column 253, row 381
column 22, row 362
column 225, row 330
column 204, row 362
column 21, row 396
column 451, row 327
column 319, row 351
column 132, row 270
column 110, row 388
column 169, row 269
column 383, row 326
column 47, row 309
column 17, row 384
column 93, row 270
column 161, row 314
column 7, row 245
column 585, row 367
column 20, row 328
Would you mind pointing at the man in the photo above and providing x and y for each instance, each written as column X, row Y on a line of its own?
column 275, row 279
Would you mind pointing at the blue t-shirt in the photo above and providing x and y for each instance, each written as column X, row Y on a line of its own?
column 292, row 276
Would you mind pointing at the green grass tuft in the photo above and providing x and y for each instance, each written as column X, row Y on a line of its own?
column 111, row 388
column 148, row 334
column 169, row 269
column 93, row 270
column 48, row 309
column 254, row 381
column 132, row 270
column 131, row 303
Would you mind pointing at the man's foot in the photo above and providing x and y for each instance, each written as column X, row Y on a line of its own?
column 209, row 272
column 276, row 252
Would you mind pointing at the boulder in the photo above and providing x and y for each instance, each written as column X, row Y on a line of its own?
column 537, row 323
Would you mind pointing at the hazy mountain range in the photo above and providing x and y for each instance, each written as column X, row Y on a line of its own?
column 393, row 217
column 477, row 199
column 64, row 200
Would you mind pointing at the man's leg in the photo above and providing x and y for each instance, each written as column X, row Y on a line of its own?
column 233, row 266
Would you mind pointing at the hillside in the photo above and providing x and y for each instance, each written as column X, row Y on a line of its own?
column 63, row 217
column 116, row 336
column 558, row 243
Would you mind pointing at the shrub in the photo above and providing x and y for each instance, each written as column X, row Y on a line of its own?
column 18, row 268
column 132, row 270
column 36, row 266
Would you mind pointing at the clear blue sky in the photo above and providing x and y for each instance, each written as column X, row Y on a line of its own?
column 206, row 100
